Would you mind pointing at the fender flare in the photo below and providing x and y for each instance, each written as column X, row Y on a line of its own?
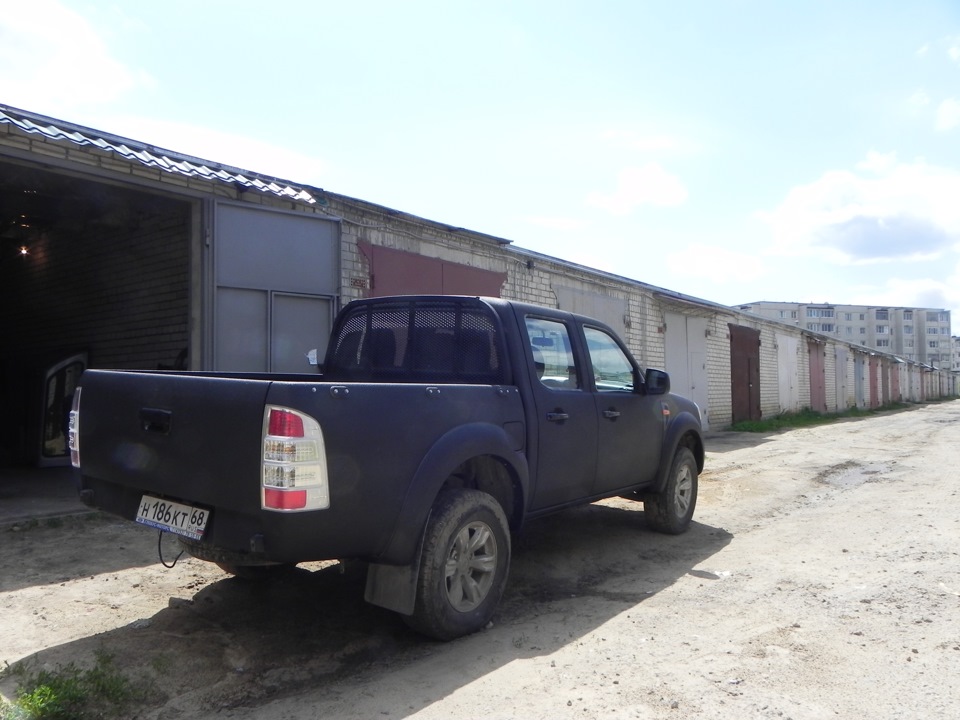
column 682, row 424
column 449, row 452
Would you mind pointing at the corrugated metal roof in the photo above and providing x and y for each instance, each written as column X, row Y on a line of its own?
column 150, row 156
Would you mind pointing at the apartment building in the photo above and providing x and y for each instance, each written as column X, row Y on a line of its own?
column 918, row 334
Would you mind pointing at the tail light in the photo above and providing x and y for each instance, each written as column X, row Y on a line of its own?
column 294, row 468
column 73, row 430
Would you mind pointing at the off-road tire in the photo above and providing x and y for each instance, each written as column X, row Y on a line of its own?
column 671, row 510
column 464, row 565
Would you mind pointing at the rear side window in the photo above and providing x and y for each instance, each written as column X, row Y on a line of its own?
column 552, row 354
column 425, row 341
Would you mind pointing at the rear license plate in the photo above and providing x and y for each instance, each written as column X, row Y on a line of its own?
column 173, row 517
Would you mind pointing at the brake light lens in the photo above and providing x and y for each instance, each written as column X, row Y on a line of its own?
column 285, row 423
column 294, row 469
column 73, row 430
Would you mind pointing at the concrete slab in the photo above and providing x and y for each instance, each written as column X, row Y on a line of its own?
column 28, row 494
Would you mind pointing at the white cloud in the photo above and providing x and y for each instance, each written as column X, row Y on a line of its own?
column 636, row 186
column 888, row 212
column 948, row 114
column 918, row 100
column 716, row 264
column 914, row 292
column 55, row 60
column 877, row 162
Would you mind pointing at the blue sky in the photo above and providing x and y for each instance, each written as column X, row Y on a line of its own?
column 735, row 150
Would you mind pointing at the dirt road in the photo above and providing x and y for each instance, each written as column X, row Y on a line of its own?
column 821, row 579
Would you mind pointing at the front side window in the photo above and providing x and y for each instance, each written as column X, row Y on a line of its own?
column 552, row 353
column 612, row 369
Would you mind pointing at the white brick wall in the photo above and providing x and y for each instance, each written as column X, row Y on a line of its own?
column 150, row 317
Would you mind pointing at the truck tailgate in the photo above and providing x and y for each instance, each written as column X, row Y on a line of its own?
column 191, row 437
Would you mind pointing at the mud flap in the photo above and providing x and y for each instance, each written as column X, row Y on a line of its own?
column 394, row 587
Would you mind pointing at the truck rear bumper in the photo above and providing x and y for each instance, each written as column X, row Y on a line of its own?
column 260, row 536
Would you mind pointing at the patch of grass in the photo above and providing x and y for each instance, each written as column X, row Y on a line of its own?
column 70, row 692
column 807, row 418
column 161, row 664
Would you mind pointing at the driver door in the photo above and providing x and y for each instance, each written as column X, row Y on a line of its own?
column 630, row 422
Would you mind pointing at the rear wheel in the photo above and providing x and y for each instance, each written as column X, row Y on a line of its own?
column 671, row 510
column 464, row 565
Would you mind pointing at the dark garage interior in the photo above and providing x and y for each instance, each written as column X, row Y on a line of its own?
column 92, row 275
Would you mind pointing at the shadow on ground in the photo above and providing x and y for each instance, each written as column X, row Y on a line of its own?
column 240, row 644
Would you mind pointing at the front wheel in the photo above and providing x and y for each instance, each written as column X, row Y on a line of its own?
column 464, row 565
column 671, row 510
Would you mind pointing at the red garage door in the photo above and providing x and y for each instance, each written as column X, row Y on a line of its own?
column 396, row 272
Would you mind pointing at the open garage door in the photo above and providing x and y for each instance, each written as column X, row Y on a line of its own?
column 89, row 269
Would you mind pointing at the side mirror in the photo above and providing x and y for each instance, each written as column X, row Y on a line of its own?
column 657, row 382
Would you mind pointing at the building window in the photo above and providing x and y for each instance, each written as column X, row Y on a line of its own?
column 848, row 316
column 933, row 331
column 908, row 343
column 849, row 330
column 908, row 314
column 883, row 315
column 933, row 317
column 883, row 343
column 819, row 312
column 863, row 331
column 944, row 331
column 883, row 329
column 908, row 329
column 933, row 344
column 934, row 358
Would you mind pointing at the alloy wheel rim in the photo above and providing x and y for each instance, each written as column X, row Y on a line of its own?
column 470, row 566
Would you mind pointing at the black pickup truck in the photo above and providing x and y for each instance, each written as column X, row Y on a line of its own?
column 437, row 427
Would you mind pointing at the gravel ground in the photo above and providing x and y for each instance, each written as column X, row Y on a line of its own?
column 820, row 579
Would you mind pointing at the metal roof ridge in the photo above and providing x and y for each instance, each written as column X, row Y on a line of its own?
column 151, row 155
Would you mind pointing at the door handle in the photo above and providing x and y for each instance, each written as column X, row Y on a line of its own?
column 557, row 416
column 156, row 420
column 611, row 414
